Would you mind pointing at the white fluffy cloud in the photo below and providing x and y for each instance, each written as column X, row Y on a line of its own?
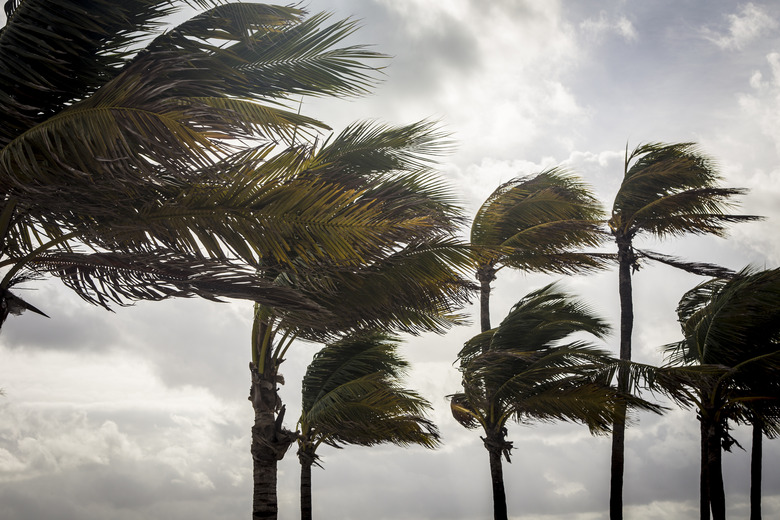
column 748, row 25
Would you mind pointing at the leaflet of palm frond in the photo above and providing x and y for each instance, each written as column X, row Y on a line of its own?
column 105, row 278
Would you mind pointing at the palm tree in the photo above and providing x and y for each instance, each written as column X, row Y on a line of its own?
column 537, row 223
column 531, row 368
column 731, row 334
column 668, row 190
column 352, row 394
column 125, row 167
column 416, row 286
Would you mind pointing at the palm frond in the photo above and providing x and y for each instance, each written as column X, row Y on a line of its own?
column 352, row 395
column 671, row 190
column 541, row 222
column 106, row 278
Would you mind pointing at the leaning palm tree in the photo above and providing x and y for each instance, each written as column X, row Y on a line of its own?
column 415, row 286
column 531, row 368
column 668, row 190
column 125, row 163
column 352, row 394
column 731, row 334
column 536, row 223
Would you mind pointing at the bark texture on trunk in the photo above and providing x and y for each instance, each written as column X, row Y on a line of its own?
column 307, row 458
column 485, row 274
column 626, row 264
column 270, row 440
column 497, row 446
column 756, row 455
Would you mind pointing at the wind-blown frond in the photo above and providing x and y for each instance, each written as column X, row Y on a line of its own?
column 351, row 395
column 540, row 223
column 105, row 278
column 672, row 190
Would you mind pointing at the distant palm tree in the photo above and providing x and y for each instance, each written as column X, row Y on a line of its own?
column 730, row 358
column 531, row 368
column 143, row 163
column 536, row 223
column 668, row 190
column 353, row 394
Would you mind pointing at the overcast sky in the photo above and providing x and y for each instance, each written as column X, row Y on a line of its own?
column 144, row 413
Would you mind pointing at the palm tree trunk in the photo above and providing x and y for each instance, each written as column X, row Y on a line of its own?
column 704, row 484
column 494, row 443
column 485, row 275
column 270, row 441
column 756, row 454
column 714, row 469
column 306, row 464
column 626, row 262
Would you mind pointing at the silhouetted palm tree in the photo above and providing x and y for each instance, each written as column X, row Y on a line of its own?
column 416, row 285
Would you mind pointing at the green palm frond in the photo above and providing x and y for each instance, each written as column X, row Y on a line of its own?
column 672, row 190
column 59, row 52
column 698, row 268
column 546, row 316
column 302, row 60
column 351, row 395
column 413, row 290
column 539, row 223
column 723, row 320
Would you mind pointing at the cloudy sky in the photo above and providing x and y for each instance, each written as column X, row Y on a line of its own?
column 144, row 413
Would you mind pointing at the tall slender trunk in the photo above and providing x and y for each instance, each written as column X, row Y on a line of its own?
column 704, row 483
column 270, row 440
column 497, row 446
column 626, row 262
column 717, row 495
column 306, row 464
column 756, row 454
